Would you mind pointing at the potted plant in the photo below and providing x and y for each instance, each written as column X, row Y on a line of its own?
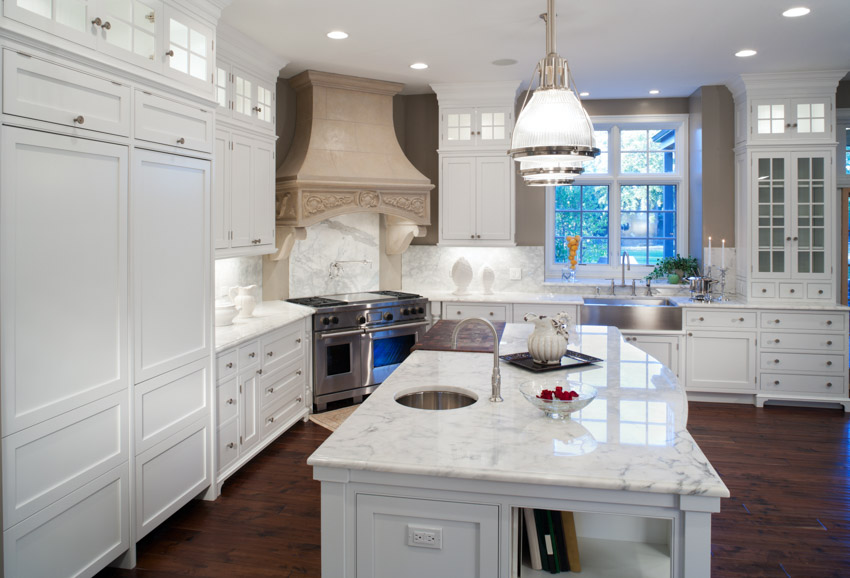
column 675, row 269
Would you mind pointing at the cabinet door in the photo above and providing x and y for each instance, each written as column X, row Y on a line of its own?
column 249, row 409
column 494, row 209
column 188, row 54
column 244, row 91
column 223, row 87
column 457, row 198
column 771, row 118
column 811, row 205
column 811, row 117
column 132, row 30
column 264, row 105
column 771, row 235
column 262, row 192
column 662, row 347
column 171, row 261
column 494, row 126
column 221, row 191
column 242, row 169
column 721, row 361
column 457, row 127
column 69, row 19
column 62, row 346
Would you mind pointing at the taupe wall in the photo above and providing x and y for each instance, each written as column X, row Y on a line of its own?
column 842, row 97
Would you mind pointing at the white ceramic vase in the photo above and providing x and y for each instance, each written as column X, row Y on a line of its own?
column 488, row 276
column 462, row 276
column 244, row 300
column 547, row 344
column 225, row 311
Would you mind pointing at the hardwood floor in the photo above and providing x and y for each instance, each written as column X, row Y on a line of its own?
column 788, row 470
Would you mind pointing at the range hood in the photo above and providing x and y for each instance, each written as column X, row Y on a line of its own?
column 345, row 158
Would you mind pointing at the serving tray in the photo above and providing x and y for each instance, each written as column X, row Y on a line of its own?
column 569, row 360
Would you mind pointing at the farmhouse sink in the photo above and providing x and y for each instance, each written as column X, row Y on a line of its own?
column 636, row 313
column 437, row 398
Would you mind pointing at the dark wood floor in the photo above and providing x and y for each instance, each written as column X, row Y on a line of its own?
column 788, row 470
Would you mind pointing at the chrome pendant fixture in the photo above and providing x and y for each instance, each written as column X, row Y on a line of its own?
column 553, row 136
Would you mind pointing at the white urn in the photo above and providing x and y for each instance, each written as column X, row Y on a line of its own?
column 244, row 300
column 547, row 344
column 462, row 276
column 488, row 277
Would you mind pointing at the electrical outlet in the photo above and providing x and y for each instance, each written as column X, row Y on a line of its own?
column 424, row 537
column 516, row 273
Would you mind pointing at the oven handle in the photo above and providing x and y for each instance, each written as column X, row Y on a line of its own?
column 395, row 326
column 340, row 334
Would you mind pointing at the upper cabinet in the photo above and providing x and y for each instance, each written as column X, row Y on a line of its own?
column 482, row 128
column 151, row 34
column 245, row 97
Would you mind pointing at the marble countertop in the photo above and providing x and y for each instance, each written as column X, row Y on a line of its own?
column 632, row 437
column 267, row 316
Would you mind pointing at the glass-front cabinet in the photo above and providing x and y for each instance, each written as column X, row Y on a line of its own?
column 132, row 30
column 791, row 207
column 791, row 118
column 482, row 127
column 69, row 19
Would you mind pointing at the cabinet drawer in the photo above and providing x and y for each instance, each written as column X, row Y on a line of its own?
column 49, row 460
column 170, row 474
column 249, row 354
column 281, row 383
column 225, row 365
column 811, row 320
column 281, row 348
column 167, row 403
column 815, row 341
column 173, row 123
column 820, row 384
column 811, row 362
column 719, row 319
column 227, row 396
column 819, row 291
column 767, row 290
column 791, row 291
column 228, row 444
column 274, row 417
column 35, row 88
column 489, row 312
column 547, row 309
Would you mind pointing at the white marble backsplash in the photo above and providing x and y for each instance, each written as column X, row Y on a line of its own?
column 354, row 237
column 239, row 272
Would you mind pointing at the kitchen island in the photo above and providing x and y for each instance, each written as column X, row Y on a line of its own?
column 642, row 490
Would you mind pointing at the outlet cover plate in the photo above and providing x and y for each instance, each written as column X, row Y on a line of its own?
column 425, row 537
column 515, row 273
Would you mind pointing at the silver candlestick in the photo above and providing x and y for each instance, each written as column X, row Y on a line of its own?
column 723, row 271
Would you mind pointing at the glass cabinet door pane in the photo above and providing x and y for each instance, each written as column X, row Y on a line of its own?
column 459, row 126
column 72, row 13
column 810, row 238
column 770, row 207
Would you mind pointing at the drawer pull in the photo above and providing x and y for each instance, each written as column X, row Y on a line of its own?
column 787, row 238
column 270, row 420
column 829, row 342
column 270, row 390
column 491, row 314
column 793, row 290
column 820, row 291
column 260, row 372
column 298, row 399
column 298, row 372
column 775, row 361
column 829, row 384
column 740, row 319
column 257, row 109
column 270, row 353
column 776, row 382
column 170, row 53
column 80, row 119
column 690, row 334
column 776, row 321
column 231, row 401
column 181, row 140
column 829, row 321
column 764, row 290
column 229, row 365
column 458, row 312
column 97, row 21
column 107, row 25
column 298, row 340
column 702, row 318
column 231, row 446
column 252, row 354
column 828, row 363
column 776, row 341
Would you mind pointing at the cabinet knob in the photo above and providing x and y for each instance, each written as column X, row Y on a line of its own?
column 794, row 238
column 829, row 342
column 231, row 446
column 477, row 236
column 231, row 401
column 298, row 399
column 702, row 318
column 472, row 236
column 491, row 314
column 775, row 361
column 257, row 109
column 776, row 321
column 181, row 140
column 270, row 353
column 252, row 354
column 259, row 372
column 229, row 365
column 828, row 363
column 829, row 384
column 80, row 119
column 107, row 25
column 820, row 291
column 740, row 318
column 764, row 290
column 298, row 372
column 170, row 53
column 787, row 238
column 458, row 312
column 690, row 334
column 776, row 341
column 829, row 321
column 298, row 340
column 792, row 290
column 97, row 21
column 270, row 420
column 270, row 390
column 776, row 382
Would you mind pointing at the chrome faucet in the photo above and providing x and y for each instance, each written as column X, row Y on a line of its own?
column 624, row 264
column 496, row 379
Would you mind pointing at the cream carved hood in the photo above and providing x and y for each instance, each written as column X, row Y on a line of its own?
column 345, row 158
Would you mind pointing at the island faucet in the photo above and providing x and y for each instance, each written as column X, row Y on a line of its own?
column 496, row 379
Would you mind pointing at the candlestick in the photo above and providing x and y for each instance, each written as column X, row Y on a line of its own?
column 709, row 251
column 723, row 253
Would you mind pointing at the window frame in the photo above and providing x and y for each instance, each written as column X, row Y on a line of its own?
column 614, row 180
column 842, row 125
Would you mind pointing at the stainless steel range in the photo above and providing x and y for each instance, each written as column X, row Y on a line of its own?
column 359, row 339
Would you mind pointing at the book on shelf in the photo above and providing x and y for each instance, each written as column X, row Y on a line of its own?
column 533, row 541
column 544, row 540
column 554, row 568
column 560, row 541
column 571, row 540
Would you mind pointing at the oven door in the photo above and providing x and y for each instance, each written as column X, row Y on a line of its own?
column 337, row 361
column 384, row 348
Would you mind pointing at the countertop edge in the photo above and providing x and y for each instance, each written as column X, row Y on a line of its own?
column 268, row 316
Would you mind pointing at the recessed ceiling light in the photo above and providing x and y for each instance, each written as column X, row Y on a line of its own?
column 337, row 35
column 745, row 53
column 794, row 12
column 504, row 62
column 583, row 94
column 418, row 66
column 654, row 91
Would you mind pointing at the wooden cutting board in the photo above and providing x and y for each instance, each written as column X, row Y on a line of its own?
column 473, row 337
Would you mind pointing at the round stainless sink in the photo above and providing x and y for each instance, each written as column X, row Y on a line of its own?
column 437, row 398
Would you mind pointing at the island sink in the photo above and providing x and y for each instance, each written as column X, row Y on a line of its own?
column 437, row 399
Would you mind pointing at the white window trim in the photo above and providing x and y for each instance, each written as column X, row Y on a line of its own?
column 841, row 126
column 680, row 178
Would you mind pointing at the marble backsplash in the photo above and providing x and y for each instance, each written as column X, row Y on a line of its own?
column 354, row 238
column 238, row 272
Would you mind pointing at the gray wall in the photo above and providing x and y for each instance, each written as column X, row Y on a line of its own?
column 842, row 97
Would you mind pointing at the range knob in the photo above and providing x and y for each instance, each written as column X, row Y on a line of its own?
column 361, row 319
column 334, row 319
column 420, row 310
column 406, row 311
column 388, row 316
column 326, row 321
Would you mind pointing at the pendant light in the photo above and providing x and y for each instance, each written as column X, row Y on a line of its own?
column 553, row 136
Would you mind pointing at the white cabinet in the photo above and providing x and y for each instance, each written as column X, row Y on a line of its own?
column 547, row 309
column 243, row 96
column 664, row 348
column 476, row 200
column 131, row 30
column 489, row 311
column 171, row 261
column 69, row 19
column 721, row 361
column 189, row 56
column 243, row 195
column 172, row 123
column 791, row 118
column 476, row 174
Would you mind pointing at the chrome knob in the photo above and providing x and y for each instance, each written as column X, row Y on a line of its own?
column 181, row 140
column 80, row 119
column 229, row 365
column 97, row 21
column 170, row 53
column 107, row 25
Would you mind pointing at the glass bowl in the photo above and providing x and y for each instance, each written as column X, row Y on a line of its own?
column 556, row 408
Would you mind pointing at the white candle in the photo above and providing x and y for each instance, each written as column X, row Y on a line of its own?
column 722, row 253
column 709, row 251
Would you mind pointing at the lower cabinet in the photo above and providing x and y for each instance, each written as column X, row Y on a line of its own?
column 547, row 309
column 721, row 361
column 665, row 348
column 489, row 311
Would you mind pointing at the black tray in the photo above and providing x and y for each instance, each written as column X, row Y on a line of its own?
column 568, row 361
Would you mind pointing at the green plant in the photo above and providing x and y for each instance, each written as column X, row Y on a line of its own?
column 684, row 266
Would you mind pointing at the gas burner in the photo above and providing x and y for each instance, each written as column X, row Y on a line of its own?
column 398, row 294
column 316, row 302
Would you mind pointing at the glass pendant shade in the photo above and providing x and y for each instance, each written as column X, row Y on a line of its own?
column 543, row 173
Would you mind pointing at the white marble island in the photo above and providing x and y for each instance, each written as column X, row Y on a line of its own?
column 642, row 489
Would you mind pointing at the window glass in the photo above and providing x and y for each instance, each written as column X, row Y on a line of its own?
column 648, row 222
column 582, row 210
column 599, row 165
column 648, row 151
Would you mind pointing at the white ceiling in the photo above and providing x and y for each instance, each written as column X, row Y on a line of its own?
column 616, row 48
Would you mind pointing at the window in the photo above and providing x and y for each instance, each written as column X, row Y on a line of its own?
column 630, row 199
column 843, row 134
